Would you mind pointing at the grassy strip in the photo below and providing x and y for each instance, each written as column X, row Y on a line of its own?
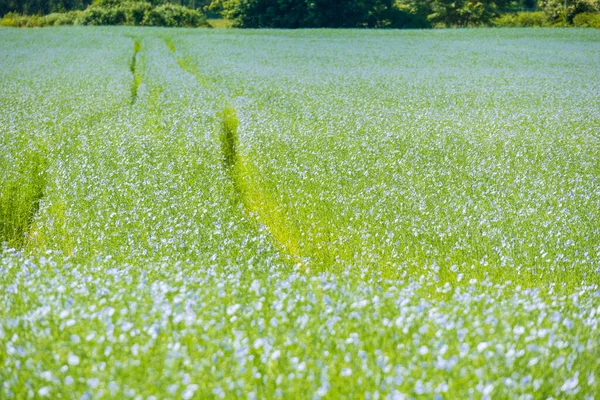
column 254, row 198
column 186, row 64
column 21, row 191
column 249, row 192
column 247, row 189
column 137, row 78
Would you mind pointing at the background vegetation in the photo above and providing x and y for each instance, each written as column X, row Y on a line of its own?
column 400, row 13
column 43, row 7
column 107, row 12
column 304, row 13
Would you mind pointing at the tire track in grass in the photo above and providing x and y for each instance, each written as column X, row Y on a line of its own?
column 248, row 191
column 256, row 201
column 187, row 65
column 137, row 78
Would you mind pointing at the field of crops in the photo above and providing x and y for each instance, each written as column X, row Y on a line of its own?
column 299, row 214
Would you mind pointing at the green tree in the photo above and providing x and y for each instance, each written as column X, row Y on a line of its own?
column 41, row 7
column 312, row 13
column 464, row 12
column 556, row 12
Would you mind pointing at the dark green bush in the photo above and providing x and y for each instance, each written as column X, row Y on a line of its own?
column 400, row 19
column 174, row 16
column 317, row 14
column 117, row 3
column 115, row 12
column 58, row 19
column 587, row 20
column 35, row 21
column 14, row 20
column 522, row 19
column 41, row 7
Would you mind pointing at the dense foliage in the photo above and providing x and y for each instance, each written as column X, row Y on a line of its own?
column 311, row 14
column 392, row 13
column 116, row 12
column 305, row 13
column 44, row 7
column 456, row 12
column 556, row 12
column 41, row 7
column 522, row 19
column 141, row 13
column 587, row 20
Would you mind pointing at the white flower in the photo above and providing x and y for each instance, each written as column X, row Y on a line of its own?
column 518, row 330
column 72, row 359
column 255, row 287
column 570, row 384
column 47, row 375
column 232, row 309
column 188, row 393
column 398, row 396
column 487, row 390
column 172, row 389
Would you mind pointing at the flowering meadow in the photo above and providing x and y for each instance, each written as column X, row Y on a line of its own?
column 299, row 214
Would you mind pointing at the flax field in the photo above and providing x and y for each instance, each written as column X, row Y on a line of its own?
column 311, row 214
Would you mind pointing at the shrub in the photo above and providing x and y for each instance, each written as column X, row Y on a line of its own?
column 587, row 20
column 68, row 18
column 174, row 16
column 57, row 19
column 14, row 20
column 555, row 9
column 50, row 19
column 115, row 12
column 102, row 16
column 522, row 19
column 35, row 21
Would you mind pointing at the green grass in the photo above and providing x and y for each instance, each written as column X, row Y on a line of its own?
column 299, row 214
column 219, row 23
column 22, row 189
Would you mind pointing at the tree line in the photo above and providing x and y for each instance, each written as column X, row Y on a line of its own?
column 348, row 13
column 391, row 13
column 44, row 7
